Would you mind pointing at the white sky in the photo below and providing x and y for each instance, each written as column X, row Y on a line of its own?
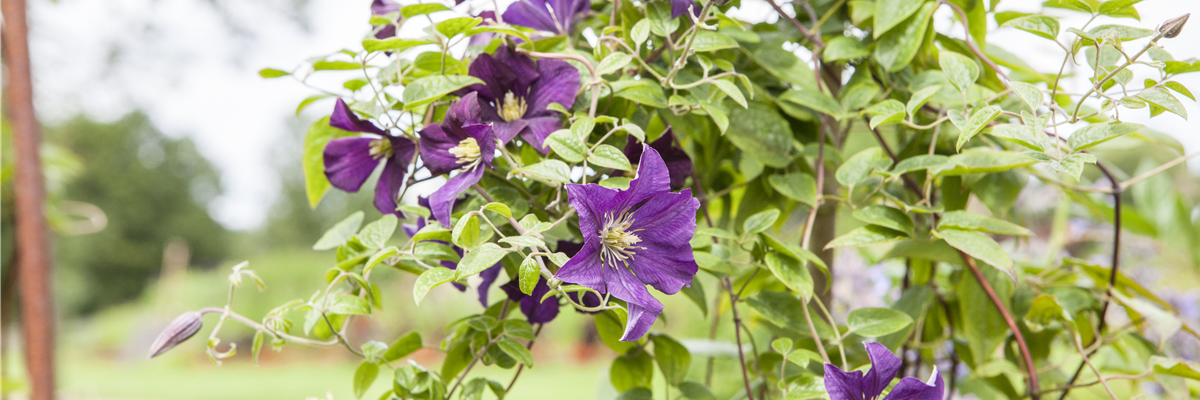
column 181, row 63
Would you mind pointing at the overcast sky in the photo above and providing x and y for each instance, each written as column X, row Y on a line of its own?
column 192, row 65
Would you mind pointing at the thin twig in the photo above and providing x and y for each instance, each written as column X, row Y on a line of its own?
column 737, row 323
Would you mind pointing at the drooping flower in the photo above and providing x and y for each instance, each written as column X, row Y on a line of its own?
column 633, row 238
column 463, row 143
column 547, row 15
column 384, row 7
column 678, row 163
column 350, row 161
column 517, row 90
column 854, row 385
column 488, row 275
column 539, row 311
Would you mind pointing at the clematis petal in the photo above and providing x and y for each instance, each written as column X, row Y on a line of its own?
column 591, row 202
column 485, row 139
column 465, row 110
column 523, row 67
column 652, row 179
column 388, row 187
column 911, row 388
column 884, row 365
column 343, row 118
column 383, row 7
column 643, row 307
column 489, row 277
column 436, row 142
column 442, row 200
column 531, row 13
column 666, row 223
column 498, row 78
column 348, row 162
column 538, row 129
column 680, row 7
column 679, row 164
column 585, row 267
column 539, row 311
column 843, row 385
column 507, row 131
column 557, row 82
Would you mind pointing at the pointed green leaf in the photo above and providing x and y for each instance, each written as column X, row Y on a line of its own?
column 610, row 157
column 971, row 221
column 875, row 322
column 866, row 236
column 962, row 71
column 887, row 217
column 979, row 246
column 430, row 279
column 979, row 120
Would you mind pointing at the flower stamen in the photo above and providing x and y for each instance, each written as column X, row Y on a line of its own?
column 467, row 152
column 381, row 148
column 618, row 242
column 513, row 107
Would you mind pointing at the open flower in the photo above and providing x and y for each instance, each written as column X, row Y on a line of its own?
column 384, row 7
column 854, row 385
column 488, row 275
column 678, row 163
column 463, row 143
column 634, row 238
column 551, row 16
column 350, row 161
column 517, row 90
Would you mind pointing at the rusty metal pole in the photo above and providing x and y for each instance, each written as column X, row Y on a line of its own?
column 33, row 262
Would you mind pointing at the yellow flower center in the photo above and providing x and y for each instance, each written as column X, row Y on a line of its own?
column 380, row 148
column 467, row 152
column 617, row 240
column 513, row 107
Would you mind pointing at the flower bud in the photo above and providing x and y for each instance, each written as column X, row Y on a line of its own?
column 1171, row 28
column 182, row 328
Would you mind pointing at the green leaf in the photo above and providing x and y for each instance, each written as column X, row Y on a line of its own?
column 887, row 217
column 335, row 66
column 551, row 170
column 959, row 69
column 1073, row 164
column 610, row 157
column 889, row 111
column 340, row 232
column 896, row 49
column 404, row 346
column 1121, row 32
column 394, row 45
column 785, row 66
column 661, row 23
column 889, row 13
column 975, row 222
column 982, row 325
column 428, row 89
column 529, row 275
column 866, row 236
column 673, row 359
column 643, row 91
column 761, row 132
column 376, row 234
column 696, row 390
column 516, row 350
column 1043, row 311
column 1041, row 25
column 1175, row 367
column 875, row 322
column 610, row 325
column 272, row 73
column 695, row 293
column 613, row 63
column 1161, row 98
column 816, row 100
column 501, row 29
column 782, row 345
column 861, row 165
column 859, row 95
column 1162, row 322
column 1029, row 94
column 920, row 97
column 518, row 329
column 760, row 222
column 919, row 163
column 640, row 33
column 430, row 279
column 435, row 251
column 433, row 232
column 712, row 41
column 456, row 26
column 632, row 371
column 732, row 90
column 842, row 48
column 364, row 376
column 483, row 257
column 319, row 134
column 979, row 246
column 1019, row 134
column 717, row 116
column 794, row 251
column 567, row 145
column 792, row 272
column 466, row 232
column 347, row 304
column 1178, row 87
column 499, row 208
column 982, row 160
column 1095, row 134
column 797, row 186
column 410, row 11
column 979, row 120
column 616, row 182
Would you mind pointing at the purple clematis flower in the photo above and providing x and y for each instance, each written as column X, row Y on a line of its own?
column 384, row 7
column 488, row 275
column 551, row 16
column 633, row 238
column 680, row 7
column 540, row 312
column 678, row 163
column 350, row 161
column 516, row 92
column 854, row 385
column 460, row 143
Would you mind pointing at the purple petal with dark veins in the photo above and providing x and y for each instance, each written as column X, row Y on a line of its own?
column 585, row 267
column 348, row 162
column 498, row 78
column 343, row 118
column 679, row 164
column 531, row 13
column 526, row 71
column 507, row 131
column 884, row 365
column 667, row 223
column 442, row 200
column 388, row 188
column 535, row 309
column 911, row 388
column 680, row 7
column 540, row 128
column 591, row 202
column 489, row 277
column 843, row 385
column 652, row 178
column 557, row 82
column 436, row 142
column 643, row 307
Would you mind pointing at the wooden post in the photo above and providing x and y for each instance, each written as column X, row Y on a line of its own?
column 33, row 261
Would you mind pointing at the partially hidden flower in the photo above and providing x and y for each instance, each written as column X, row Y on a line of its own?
column 181, row 329
column 855, row 385
column 679, row 164
column 483, row 38
column 536, row 310
column 633, row 238
column 517, row 91
column 462, row 143
column 349, row 161
column 551, row 16
column 488, row 275
column 680, row 7
column 381, row 8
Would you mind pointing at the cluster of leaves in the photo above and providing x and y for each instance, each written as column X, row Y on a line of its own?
column 925, row 123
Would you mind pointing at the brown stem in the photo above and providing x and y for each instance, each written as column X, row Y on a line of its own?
column 737, row 325
column 1008, row 319
column 967, row 31
column 816, row 39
